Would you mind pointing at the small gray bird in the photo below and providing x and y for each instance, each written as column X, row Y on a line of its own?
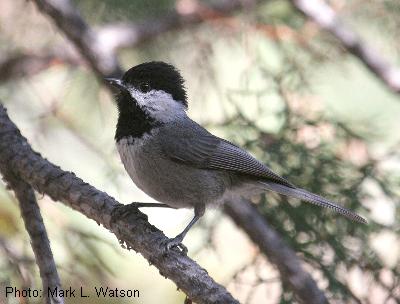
column 179, row 163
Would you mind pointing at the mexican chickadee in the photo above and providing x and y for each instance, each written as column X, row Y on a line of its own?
column 179, row 163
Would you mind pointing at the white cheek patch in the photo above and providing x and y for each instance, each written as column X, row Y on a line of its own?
column 158, row 104
column 138, row 96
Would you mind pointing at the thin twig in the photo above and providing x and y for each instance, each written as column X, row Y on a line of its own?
column 68, row 19
column 323, row 15
column 26, row 64
column 37, row 232
column 112, row 37
column 99, row 47
column 129, row 34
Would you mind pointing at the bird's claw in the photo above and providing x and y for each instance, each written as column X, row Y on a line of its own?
column 176, row 242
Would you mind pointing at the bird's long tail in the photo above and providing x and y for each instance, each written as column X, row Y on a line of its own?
column 312, row 198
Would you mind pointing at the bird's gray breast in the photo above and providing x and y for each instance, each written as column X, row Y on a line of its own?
column 131, row 150
column 166, row 180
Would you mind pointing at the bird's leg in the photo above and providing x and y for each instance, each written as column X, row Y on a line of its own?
column 177, row 241
column 124, row 210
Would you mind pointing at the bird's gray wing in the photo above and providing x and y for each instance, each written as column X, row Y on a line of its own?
column 201, row 149
column 196, row 147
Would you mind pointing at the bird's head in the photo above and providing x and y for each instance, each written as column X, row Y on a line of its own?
column 156, row 88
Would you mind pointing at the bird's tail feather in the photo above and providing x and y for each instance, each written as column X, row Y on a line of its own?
column 312, row 198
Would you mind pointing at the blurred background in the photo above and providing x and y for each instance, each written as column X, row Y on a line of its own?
column 262, row 75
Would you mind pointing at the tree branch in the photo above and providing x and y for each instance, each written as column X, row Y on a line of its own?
column 69, row 21
column 26, row 64
column 109, row 38
column 37, row 232
column 98, row 48
column 246, row 216
column 323, row 15
column 134, row 230
column 128, row 34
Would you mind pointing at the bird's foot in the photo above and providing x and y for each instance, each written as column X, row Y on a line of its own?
column 175, row 242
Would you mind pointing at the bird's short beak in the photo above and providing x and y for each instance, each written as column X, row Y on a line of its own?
column 116, row 83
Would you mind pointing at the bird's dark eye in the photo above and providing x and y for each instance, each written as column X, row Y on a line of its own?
column 144, row 87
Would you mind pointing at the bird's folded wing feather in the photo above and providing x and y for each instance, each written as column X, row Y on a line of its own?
column 204, row 150
column 199, row 148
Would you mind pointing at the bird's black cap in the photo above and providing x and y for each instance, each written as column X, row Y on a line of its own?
column 159, row 76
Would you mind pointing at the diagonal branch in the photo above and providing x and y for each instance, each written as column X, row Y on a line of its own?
column 37, row 232
column 246, row 216
column 109, row 38
column 186, row 13
column 28, row 64
column 134, row 231
column 99, row 47
column 68, row 19
column 322, row 14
